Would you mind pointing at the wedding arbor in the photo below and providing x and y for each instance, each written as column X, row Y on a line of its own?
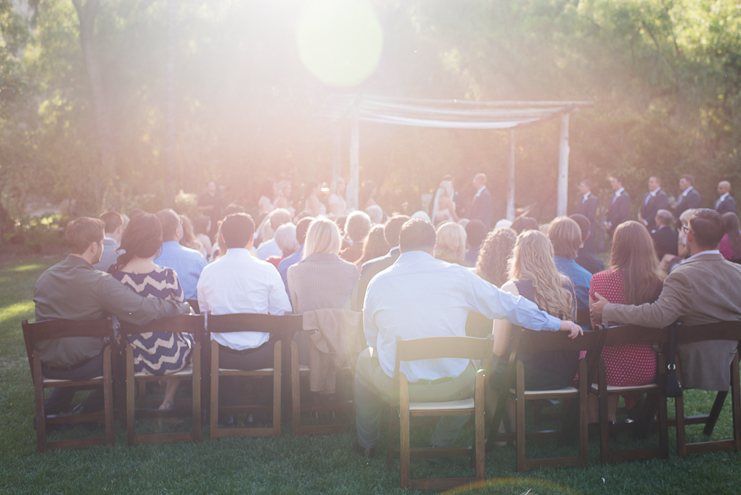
column 448, row 114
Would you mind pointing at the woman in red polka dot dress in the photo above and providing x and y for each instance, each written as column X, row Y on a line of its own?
column 635, row 278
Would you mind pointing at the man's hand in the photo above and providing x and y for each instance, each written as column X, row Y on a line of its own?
column 571, row 327
column 596, row 306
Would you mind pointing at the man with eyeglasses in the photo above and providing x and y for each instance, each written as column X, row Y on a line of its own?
column 701, row 290
column 187, row 263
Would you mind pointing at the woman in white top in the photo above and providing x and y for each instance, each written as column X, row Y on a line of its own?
column 336, row 202
column 313, row 204
column 443, row 206
column 267, row 192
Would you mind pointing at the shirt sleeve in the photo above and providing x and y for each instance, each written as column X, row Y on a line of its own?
column 177, row 289
column 201, row 294
column 278, row 303
column 675, row 298
column 129, row 306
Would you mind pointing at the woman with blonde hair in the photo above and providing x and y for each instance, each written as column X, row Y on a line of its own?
column 451, row 243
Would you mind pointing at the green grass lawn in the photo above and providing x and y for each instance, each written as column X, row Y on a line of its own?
column 320, row 464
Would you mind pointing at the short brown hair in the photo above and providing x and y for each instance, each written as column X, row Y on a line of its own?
column 707, row 227
column 83, row 231
column 170, row 223
column 236, row 230
column 565, row 235
column 112, row 219
column 417, row 235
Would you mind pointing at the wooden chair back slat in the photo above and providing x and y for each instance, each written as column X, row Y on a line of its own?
column 633, row 334
column 532, row 341
column 192, row 324
column 725, row 330
column 194, row 305
column 444, row 347
column 244, row 322
column 58, row 329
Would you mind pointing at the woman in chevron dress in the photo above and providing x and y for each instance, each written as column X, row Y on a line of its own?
column 155, row 353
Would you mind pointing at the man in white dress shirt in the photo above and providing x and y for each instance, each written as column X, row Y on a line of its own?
column 420, row 296
column 239, row 283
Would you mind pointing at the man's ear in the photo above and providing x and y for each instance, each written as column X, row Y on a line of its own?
column 119, row 230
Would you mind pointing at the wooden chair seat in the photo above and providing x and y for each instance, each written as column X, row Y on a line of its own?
column 41, row 331
column 452, row 406
column 260, row 372
column 560, row 393
column 187, row 371
column 612, row 389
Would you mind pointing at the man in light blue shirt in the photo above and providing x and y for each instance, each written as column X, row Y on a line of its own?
column 420, row 296
column 565, row 236
column 187, row 263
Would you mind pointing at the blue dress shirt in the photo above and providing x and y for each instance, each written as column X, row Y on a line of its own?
column 187, row 263
column 420, row 296
column 287, row 263
column 578, row 276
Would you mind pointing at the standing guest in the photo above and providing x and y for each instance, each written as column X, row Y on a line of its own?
column 375, row 246
column 701, row 290
column 301, row 227
column 212, row 205
column 443, row 206
column 664, row 237
column 114, row 226
column 635, row 278
column 155, row 353
column 285, row 238
column 74, row 290
column 619, row 209
column 730, row 245
column 689, row 198
column 371, row 268
column 375, row 213
column 239, row 283
column 481, row 207
column 496, row 251
column 267, row 191
column 475, row 235
column 367, row 195
column 586, row 259
column 654, row 201
column 565, row 235
column 270, row 247
column 523, row 224
column 726, row 202
column 187, row 263
column 189, row 238
column 357, row 227
column 451, row 243
column 201, row 227
column 587, row 206
column 419, row 296
column 313, row 205
column 336, row 200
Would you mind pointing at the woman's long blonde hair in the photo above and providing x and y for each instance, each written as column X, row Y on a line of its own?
column 532, row 259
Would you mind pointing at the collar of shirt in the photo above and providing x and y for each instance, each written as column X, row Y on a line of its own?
column 619, row 192
column 480, row 190
column 709, row 251
column 106, row 238
column 239, row 253
column 723, row 196
column 655, row 192
column 586, row 196
column 687, row 191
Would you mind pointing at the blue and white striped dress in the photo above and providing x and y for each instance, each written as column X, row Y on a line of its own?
column 158, row 353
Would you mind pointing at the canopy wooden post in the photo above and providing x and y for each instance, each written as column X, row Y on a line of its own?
column 337, row 150
column 352, row 184
column 563, row 167
column 511, row 178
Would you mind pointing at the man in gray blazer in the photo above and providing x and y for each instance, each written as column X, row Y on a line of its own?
column 702, row 290
column 113, row 232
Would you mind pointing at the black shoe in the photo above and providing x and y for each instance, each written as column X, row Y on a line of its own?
column 367, row 453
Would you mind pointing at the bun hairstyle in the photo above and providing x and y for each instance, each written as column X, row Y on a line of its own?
column 141, row 239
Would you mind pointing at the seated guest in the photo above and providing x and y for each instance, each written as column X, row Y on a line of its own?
column 634, row 277
column 703, row 289
column 201, row 228
column 586, row 258
column 730, row 245
column 269, row 247
column 533, row 275
column 496, row 251
column 301, row 227
column 375, row 246
column 475, row 235
column 524, row 224
column 357, row 227
column 664, row 237
column 285, row 237
column 187, row 263
column 114, row 224
column 451, row 243
column 239, row 283
column 419, row 296
column 155, row 353
column 74, row 290
column 371, row 268
column 189, row 238
column 565, row 235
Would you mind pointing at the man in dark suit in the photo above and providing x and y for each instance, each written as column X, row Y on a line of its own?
column 585, row 259
column 619, row 208
column 689, row 198
column 587, row 206
column 654, row 201
column 373, row 267
column 113, row 232
column 726, row 202
column 481, row 208
column 665, row 239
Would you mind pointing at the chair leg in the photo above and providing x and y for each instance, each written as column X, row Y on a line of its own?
column 38, row 385
column 681, row 440
column 520, row 421
column 404, row 437
column 214, row 433
column 583, row 413
column 604, row 429
column 277, row 378
column 479, row 427
column 391, row 434
column 108, row 396
column 735, row 402
column 196, row 384
column 720, row 399
column 130, row 396
column 663, row 426
column 295, row 389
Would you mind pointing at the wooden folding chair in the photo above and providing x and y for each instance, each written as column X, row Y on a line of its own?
column 729, row 330
column 528, row 341
column 56, row 329
column 622, row 335
column 194, row 305
column 582, row 318
column 192, row 324
column 433, row 348
column 280, row 328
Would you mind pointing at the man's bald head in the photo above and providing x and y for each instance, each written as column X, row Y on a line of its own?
column 724, row 187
